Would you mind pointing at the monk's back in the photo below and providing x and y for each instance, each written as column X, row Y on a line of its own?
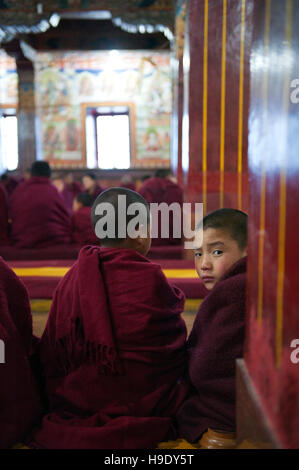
column 39, row 217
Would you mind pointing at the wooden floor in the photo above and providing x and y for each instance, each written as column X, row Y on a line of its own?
column 40, row 310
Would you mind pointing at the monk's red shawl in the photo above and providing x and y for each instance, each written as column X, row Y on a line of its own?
column 19, row 400
column 39, row 217
column 159, row 190
column 82, row 230
column 3, row 217
column 113, row 353
column 215, row 342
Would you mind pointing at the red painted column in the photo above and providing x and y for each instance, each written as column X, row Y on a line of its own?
column 26, row 112
column 219, row 34
column 273, row 295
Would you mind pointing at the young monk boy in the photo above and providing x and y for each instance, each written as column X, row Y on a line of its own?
column 82, row 229
column 20, row 406
column 113, row 350
column 217, row 337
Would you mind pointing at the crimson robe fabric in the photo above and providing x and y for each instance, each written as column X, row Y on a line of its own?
column 11, row 184
column 215, row 342
column 158, row 190
column 113, row 353
column 39, row 217
column 4, row 240
column 75, row 188
column 131, row 186
column 68, row 199
column 20, row 405
column 97, row 190
column 82, row 230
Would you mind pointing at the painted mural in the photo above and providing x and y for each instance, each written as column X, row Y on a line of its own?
column 8, row 80
column 66, row 81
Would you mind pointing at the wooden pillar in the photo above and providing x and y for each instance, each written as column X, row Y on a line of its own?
column 26, row 112
column 272, row 352
column 178, row 92
column 219, row 34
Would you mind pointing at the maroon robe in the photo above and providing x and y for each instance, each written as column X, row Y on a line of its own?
column 131, row 186
column 4, row 240
column 82, row 229
column 97, row 190
column 20, row 405
column 75, row 188
column 158, row 190
column 11, row 184
column 215, row 342
column 113, row 353
column 39, row 217
column 68, row 199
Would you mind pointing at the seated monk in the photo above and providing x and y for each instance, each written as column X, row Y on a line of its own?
column 127, row 182
column 82, row 230
column 66, row 194
column 218, row 334
column 162, row 189
column 113, row 350
column 20, row 407
column 91, row 186
column 74, row 186
column 4, row 240
column 10, row 183
column 39, row 218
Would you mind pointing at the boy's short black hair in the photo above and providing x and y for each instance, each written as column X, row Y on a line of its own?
column 85, row 199
column 40, row 168
column 111, row 196
column 91, row 175
column 231, row 220
column 162, row 173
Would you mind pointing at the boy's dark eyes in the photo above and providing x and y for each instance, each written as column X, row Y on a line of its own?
column 197, row 254
column 217, row 252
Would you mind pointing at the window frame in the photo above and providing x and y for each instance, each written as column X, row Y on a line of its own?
column 110, row 104
column 4, row 107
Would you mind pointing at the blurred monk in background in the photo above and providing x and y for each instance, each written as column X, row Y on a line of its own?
column 158, row 189
column 39, row 217
column 82, row 230
column 91, row 185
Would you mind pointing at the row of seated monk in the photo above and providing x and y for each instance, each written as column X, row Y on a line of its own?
column 114, row 368
column 40, row 211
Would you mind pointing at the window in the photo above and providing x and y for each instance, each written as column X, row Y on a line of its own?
column 108, row 136
column 9, row 157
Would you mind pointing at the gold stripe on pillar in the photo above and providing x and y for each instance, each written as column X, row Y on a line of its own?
column 205, row 107
column 223, row 84
column 241, row 105
column 263, row 174
column 283, row 187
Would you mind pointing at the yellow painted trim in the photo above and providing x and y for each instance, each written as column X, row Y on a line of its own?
column 41, row 272
column 61, row 271
column 205, row 107
column 40, row 305
column 192, row 304
column 283, row 192
column 263, row 174
column 241, row 105
column 223, row 95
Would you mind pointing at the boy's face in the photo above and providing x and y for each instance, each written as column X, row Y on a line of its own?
column 216, row 256
column 76, row 205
